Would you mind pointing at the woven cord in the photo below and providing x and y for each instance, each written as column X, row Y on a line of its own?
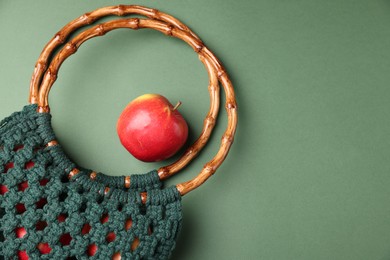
column 44, row 215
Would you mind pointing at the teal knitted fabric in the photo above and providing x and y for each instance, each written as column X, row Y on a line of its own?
column 44, row 215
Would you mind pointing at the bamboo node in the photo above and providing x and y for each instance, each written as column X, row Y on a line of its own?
column 209, row 167
column 169, row 30
column 214, row 88
column 121, row 10
column 231, row 105
column 210, row 121
column 190, row 150
column 227, row 138
column 199, row 48
column 100, row 29
column 221, row 73
column 71, row 47
column 42, row 65
column 136, row 23
column 52, row 75
column 59, row 37
column 155, row 13
column 87, row 18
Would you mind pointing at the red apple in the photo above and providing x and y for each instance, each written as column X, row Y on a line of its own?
column 151, row 129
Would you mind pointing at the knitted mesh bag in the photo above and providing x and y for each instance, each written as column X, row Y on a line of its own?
column 52, row 208
column 74, row 217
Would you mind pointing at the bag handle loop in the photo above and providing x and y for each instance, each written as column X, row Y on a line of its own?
column 214, row 67
column 123, row 10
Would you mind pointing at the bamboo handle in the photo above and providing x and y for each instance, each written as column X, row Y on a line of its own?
column 84, row 20
column 122, row 10
column 206, row 56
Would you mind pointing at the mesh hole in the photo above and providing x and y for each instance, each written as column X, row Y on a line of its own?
column 2, row 212
column 18, row 147
column 100, row 199
column 44, row 248
column 41, row 225
column 43, row 182
column 38, row 148
column 20, row 208
column 85, row 229
column 104, row 218
column 110, row 237
column 128, row 224
column 3, row 189
column 135, row 244
column 65, row 239
column 22, row 186
column 150, row 229
column 116, row 256
column 83, row 207
column 41, row 203
column 91, row 250
column 29, row 165
column 22, row 255
column 8, row 166
column 64, row 178
column 2, row 238
column 20, row 232
column 142, row 209
column 80, row 190
column 62, row 217
column 63, row 196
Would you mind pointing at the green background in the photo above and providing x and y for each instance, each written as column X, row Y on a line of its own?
column 308, row 176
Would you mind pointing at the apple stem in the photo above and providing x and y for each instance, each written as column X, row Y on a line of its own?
column 177, row 105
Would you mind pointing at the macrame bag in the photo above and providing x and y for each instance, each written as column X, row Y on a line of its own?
column 51, row 208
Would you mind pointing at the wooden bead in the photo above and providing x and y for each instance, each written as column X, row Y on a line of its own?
column 73, row 173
